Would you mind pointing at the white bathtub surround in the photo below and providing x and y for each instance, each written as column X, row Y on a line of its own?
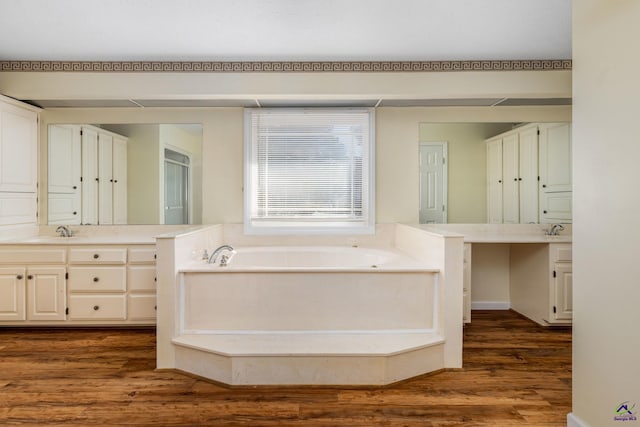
column 312, row 324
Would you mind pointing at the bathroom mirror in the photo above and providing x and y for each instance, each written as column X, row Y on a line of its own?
column 462, row 179
column 124, row 174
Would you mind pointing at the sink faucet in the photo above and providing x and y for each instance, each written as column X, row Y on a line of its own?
column 554, row 230
column 224, row 259
column 64, row 231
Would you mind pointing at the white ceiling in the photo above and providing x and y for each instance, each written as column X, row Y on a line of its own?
column 284, row 30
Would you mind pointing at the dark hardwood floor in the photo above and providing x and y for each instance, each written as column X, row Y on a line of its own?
column 515, row 374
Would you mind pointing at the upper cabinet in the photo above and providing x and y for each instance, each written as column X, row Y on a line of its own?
column 18, row 162
column 529, row 175
column 87, row 176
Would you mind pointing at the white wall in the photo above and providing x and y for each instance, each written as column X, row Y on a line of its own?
column 606, row 291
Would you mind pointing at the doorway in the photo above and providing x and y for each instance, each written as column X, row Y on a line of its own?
column 176, row 187
column 433, row 182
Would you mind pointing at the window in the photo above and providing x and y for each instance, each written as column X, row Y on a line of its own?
column 309, row 171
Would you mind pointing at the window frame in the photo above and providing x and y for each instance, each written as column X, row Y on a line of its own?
column 254, row 226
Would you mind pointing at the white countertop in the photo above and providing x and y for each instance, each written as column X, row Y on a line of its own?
column 83, row 240
column 500, row 233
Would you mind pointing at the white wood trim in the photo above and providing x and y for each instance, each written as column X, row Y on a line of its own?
column 490, row 305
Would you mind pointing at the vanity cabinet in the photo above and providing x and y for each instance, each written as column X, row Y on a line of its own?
column 76, row 285
column 32, row 285
column 541, row 282
column 466, row 284
column 18, row 162
column 142, row 280
column 529, row 175
column 97, row 283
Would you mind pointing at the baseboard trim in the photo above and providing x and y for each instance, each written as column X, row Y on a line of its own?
column 573, row 421
column 490, row 305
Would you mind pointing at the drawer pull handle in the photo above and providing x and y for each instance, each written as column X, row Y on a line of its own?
column 96, row 256
column 19, row 277
column 96, row 307
column 96, row 279
column 155, row 307
column 155, row 279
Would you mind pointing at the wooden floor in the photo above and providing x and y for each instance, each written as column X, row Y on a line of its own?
column 515, row 374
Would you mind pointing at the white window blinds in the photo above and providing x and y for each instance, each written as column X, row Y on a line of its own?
column 309, row 169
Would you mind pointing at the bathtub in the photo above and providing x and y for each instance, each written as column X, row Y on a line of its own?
column 272, row 258
column 309, row 289
column 319, row 314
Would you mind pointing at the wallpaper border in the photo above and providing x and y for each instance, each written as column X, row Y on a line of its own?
column 283, row 66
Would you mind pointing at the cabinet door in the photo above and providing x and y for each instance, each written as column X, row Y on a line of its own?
column 12, row 293
column 105, row 173
column 119, row 180
column 494, row 181
column 555, row 157
column 18, row 149
column 65, row 171
column 563, row 291
column 510, row 191
column 89, row 176
column 46, row 293
column 528, row 175
column 555, row 207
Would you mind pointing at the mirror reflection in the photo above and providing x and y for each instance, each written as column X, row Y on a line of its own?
column 495, row 173
column 124, row 174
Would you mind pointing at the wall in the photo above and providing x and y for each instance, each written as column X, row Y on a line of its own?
column 467, row 161
column 606, row 293
column 397, row 139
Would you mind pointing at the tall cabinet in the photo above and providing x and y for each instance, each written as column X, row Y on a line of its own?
column 87, row 175
column 529, row 175
column 18, row 162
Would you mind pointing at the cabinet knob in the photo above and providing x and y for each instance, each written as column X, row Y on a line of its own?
column 544, row 185
column 519, row 179
column 115, row 180
column 96, row 307
column 499, row 181
column 96, row 256
column 30, row 277
column 75, row 187
column 544, row 212
column 155, row 307
column 96, row 279
column 515, row 179
column 111, row 180
column 155, row 279
column 75, row 213
column 19, row 276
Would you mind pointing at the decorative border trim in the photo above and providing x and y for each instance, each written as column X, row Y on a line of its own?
column 284, row 67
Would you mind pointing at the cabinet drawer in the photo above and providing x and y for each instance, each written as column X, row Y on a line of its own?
column 141, row 277
column 142, row 256
column 561, row 253
column 142, row 307
column 40, row 256
column 97, row 307
column 98, row 256
column 97, row 279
